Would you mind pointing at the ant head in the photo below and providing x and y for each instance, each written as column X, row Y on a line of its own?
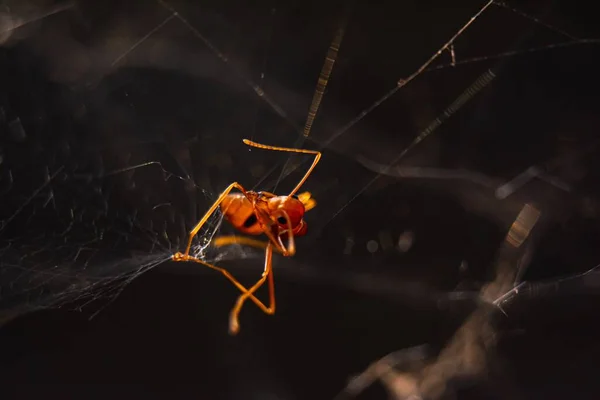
column 291, row 206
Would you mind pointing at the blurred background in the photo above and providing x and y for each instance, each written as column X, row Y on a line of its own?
column 460, row 159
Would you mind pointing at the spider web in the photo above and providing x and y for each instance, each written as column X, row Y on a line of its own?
column 82, row 218
column 67, row 242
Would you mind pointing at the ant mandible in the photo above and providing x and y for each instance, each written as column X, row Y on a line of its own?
column 257, row 213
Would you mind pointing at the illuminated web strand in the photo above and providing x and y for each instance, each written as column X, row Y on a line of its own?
column 449, row 46
column 535, row 19
column 322, row 81
column 471, row 91
column 144, row 267
column 332, row 54
column 264, row 66
column 329, row 63
column 30, row 198
column 256, row 88
column 468, row 94
column 404, row 82
column 589, row 278
column 513, row 53
column 143, row 39
column 51, row 11
column 401, row 83
column 326, row 71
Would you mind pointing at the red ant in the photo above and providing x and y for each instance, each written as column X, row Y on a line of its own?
column 256, row 213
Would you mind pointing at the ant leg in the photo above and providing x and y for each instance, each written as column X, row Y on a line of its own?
column 246, row 293
column 228, row 240
column 235, row 282
column 234, row 325
column 317, row 155
column 290, row 249
column 185, row 256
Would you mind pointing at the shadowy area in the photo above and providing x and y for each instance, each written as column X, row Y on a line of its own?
column 121, row 122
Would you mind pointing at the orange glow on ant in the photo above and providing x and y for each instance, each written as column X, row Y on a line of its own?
column 257, row 213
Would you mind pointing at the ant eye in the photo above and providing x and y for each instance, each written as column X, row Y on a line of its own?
column 250, row 221
column 282, row 220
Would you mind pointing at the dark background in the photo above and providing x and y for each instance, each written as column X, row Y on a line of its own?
column 99, row 87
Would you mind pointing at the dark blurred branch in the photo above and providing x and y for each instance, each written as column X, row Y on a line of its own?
column 466, row 355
